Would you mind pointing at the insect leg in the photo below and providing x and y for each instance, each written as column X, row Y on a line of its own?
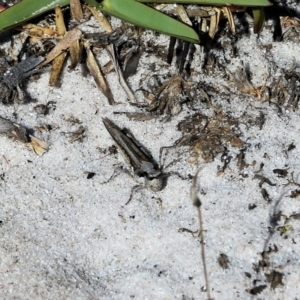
column 133, row 190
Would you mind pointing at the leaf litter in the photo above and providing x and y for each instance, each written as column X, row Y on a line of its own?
column 212, row 130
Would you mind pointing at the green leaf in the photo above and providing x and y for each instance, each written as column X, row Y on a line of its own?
column 147, row 17
column 26, row 10
column 215, row 2
column 259, row 18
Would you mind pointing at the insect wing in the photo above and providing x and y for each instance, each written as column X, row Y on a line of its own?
column 133, row 151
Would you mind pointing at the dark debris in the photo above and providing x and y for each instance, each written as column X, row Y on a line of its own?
column 257, row 290
column 274, row 278
column 12, row 78
column 223, row 261
column 208, row 136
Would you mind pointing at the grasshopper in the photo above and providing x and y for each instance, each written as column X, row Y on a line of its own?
column 132, row 11
column 138, row 157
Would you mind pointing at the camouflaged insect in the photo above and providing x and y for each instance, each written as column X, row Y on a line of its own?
column 138, row 157
column 11, row 79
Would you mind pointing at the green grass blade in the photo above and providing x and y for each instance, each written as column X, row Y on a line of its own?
column 259, row 18
column 147, row 17
column 214, row 2
column 26, row 10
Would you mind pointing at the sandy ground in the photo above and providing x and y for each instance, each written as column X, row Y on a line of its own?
column 64, row 236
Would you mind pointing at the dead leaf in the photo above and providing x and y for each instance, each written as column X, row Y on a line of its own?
column 112, row 53
column 60, row 23
column 57, row 66
column 229, row 16
column 101, row 19
column 75, row 54
column 76, row 10
column 63, row 45
column 38, row 31
column 97, row 74
column 38, row 146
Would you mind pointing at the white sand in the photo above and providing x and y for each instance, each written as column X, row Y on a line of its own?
column 66, row 237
